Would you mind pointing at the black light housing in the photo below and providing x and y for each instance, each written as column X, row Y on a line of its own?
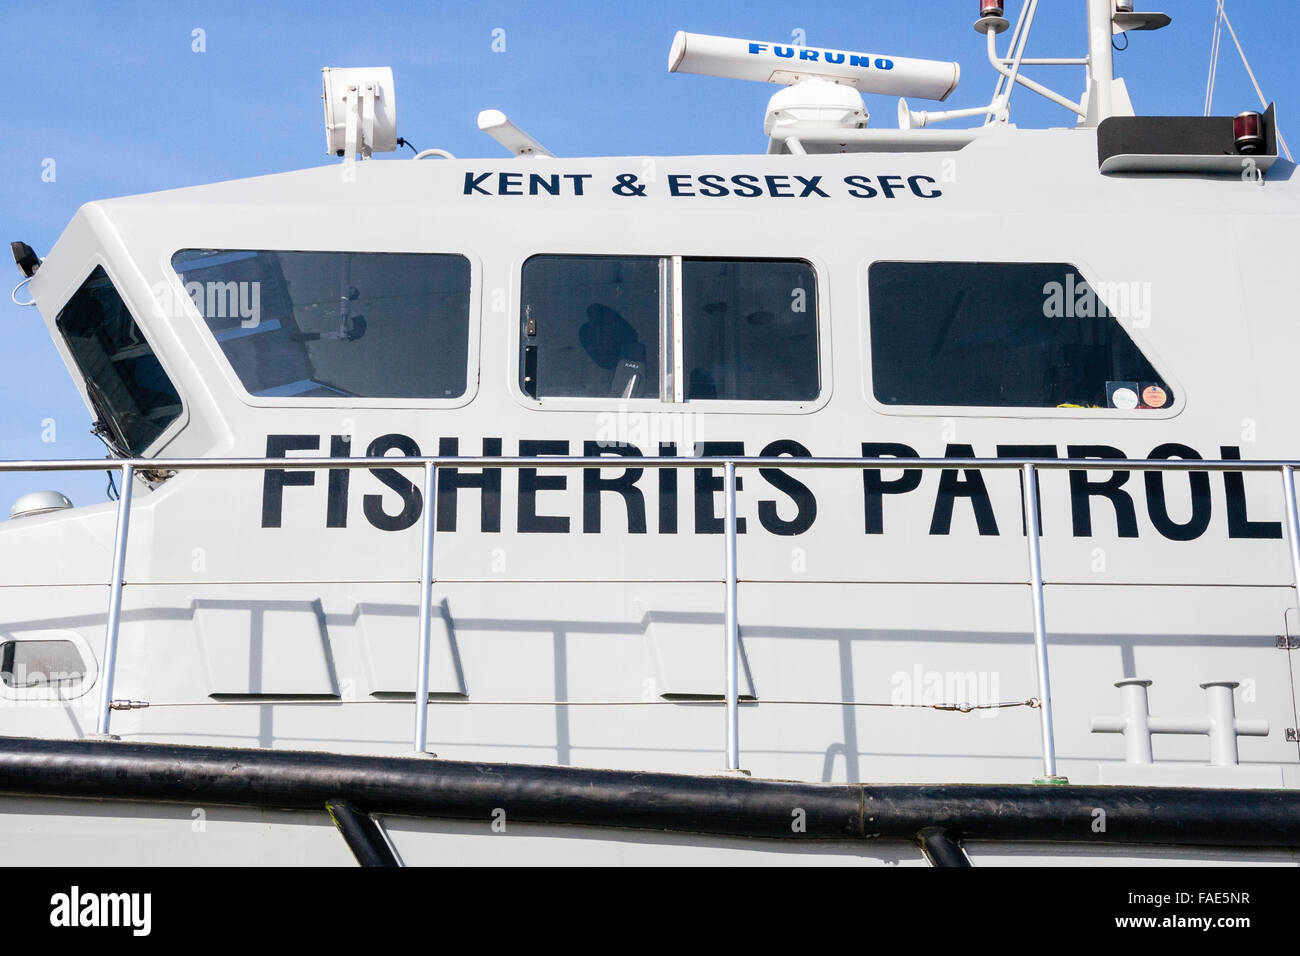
column 990, row 8
column 28, row 261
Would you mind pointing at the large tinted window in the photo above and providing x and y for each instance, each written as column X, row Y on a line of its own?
column 749, row 330
column 1031, row 335
column 322, row 324
column 591, row 326
column 598, row 326
column 132, row 395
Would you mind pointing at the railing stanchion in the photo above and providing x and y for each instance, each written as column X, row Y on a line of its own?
column 115, row 600
column 1292, row 525
column 733, row 628
column 426, row 609
column 1032, row 532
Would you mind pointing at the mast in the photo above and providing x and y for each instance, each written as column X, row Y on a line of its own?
column 1101, row 61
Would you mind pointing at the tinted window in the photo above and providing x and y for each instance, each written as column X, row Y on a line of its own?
column 590, row 326
column 322, row 324
column 133, row 397
column 749, row 330
column 1002, row 334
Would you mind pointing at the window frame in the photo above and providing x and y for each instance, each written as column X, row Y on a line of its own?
column 227, row 370
column 48, row 692
column 98, row 260
column 1086, row 272
column 670, row 342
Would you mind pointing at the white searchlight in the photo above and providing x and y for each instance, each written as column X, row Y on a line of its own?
column 360, row 111
column 788, row 64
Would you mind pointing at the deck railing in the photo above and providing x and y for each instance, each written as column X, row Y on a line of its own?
column 1028, row 467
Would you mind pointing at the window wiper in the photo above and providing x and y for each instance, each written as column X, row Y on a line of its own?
column 107, row 430
column 106, row 426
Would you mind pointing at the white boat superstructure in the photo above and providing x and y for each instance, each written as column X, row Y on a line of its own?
column 949, row 472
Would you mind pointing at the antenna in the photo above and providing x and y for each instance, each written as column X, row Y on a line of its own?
column 787, row 65
column 1106, row 95
column 497, row 125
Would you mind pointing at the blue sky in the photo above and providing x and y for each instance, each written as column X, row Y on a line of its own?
column 116, row 96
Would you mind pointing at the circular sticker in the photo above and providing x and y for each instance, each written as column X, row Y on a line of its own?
column 1124, row 398
column 1153, row 396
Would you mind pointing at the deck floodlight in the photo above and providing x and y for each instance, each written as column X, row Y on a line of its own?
column 789, row 64
column 360, row 111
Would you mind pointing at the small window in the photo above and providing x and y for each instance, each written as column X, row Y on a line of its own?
column 591, row 326
column 610, row 327
column 28, row 664
column 749, row 330
column 1023, row 335
column 133, row 398
column 328, row 324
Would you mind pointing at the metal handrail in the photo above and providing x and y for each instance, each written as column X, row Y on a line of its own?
column 732, row 624
column 1029, row 498
column 115, row 599
column 429, row 464
column 428, row 519
column 650, row 461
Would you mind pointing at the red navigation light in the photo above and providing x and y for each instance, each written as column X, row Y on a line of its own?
column 1248, row 132
column 990, row 8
